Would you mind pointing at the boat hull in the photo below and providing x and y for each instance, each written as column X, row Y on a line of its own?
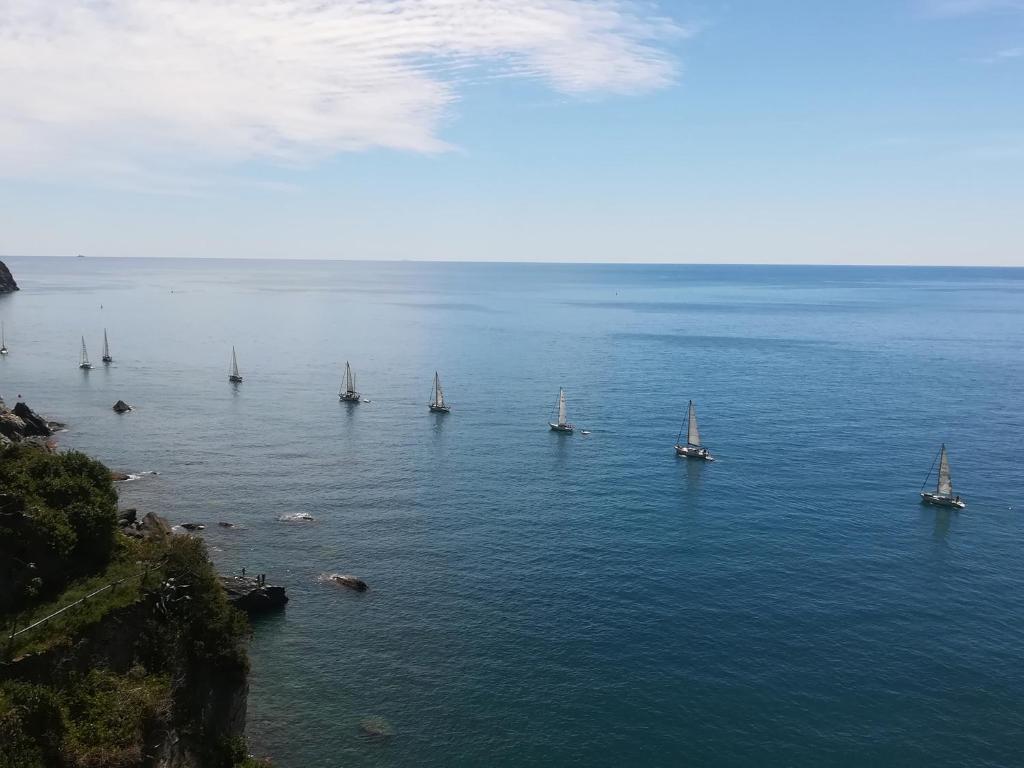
column 235, row 379
column 689, row 452
column 439, row 409
column 85, row 367
column 567, row 428
column 350, row 397
column 108, row 359
column 942, row 501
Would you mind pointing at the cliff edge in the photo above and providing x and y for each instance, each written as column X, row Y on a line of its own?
column 7, row 284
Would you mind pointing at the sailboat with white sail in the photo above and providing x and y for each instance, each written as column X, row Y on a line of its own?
column 83, row 358
column 3, row 340
column 348, row 393
column 562, row 425
column 233, row 375
column 691, row 449
column 106, row 348
column 437, row 402
column 943, row 495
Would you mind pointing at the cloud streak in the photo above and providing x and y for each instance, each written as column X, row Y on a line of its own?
column 113, row 85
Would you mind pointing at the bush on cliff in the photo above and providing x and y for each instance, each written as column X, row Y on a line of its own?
column 58, row 521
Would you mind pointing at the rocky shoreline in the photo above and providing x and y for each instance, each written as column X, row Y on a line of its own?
column 21, row 424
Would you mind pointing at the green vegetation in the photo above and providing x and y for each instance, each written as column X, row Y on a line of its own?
column 173, row 664
column 58, row 521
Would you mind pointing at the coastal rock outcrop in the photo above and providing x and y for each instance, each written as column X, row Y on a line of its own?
column 7, row 284
column 22, row 422
column 253, row 595
column 121, row 407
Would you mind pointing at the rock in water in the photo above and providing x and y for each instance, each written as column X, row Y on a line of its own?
column 35, row 425
column 376, row 728
column 121, row 407
column 350, row 581
column 7, row 284
column 247, row 594
column 193, row 526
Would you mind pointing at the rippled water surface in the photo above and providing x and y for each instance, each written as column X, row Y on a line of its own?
column 590, row 600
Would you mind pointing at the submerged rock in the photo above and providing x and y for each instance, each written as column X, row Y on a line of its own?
column 350, row 581
column 121, row 407
column 376, row 728
column 119, row 477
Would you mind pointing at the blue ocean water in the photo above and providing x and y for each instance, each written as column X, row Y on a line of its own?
column 588, row 600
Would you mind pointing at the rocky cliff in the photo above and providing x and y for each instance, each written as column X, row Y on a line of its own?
column 7, row 284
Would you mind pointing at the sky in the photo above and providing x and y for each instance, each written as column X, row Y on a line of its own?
column 713, row 131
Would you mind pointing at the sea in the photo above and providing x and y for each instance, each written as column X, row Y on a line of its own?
column 544, row 599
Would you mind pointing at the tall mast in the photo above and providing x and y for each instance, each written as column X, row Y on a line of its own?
column 349, row 379
column 438, row 394
column 84, row 358
column 234, row 362
column 562, row 415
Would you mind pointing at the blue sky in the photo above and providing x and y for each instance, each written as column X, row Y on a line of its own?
column 541, row 130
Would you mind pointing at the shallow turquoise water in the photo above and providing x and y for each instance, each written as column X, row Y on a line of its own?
column 538, row 599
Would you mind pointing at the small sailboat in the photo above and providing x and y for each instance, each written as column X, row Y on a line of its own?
column 692, row 449
column 83, row 358
column 562, row 425
column 943, row 495
column 3, row 340
column 438, row 404
column 347, row 393
column 233, row 375
column 106, row 348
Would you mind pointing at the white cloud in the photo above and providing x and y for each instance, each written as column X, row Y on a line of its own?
column 112, row 85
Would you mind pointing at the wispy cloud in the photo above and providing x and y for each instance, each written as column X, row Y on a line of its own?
column 119, row 84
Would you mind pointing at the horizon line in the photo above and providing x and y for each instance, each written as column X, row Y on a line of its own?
column 522, row 261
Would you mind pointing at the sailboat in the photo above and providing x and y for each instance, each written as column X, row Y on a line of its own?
column 562, row 425
column 692, row 449
column 3, row 340
column 106, row 348
column 83, row 359
column 437, row 404
column 347, row 393
column 943, row 495
column 234, row 376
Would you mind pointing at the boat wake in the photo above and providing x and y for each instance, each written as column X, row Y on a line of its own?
column 139, row 475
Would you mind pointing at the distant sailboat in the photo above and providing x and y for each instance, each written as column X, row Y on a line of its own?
column 562, row 425
column 3, row 340
column 106, row 348
column 347, row 393
column 437, row 404
column 234, row 376
column 692, row 449
column 943, row 495
column 83, row 359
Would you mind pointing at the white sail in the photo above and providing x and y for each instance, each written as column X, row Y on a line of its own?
column 438, row 393
column 563, row 417
column 84, row 358
column 3, row 338
column 106, row 345
column 350, row 379
column 945, row 485
column 692, row 434
column 234, row 362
